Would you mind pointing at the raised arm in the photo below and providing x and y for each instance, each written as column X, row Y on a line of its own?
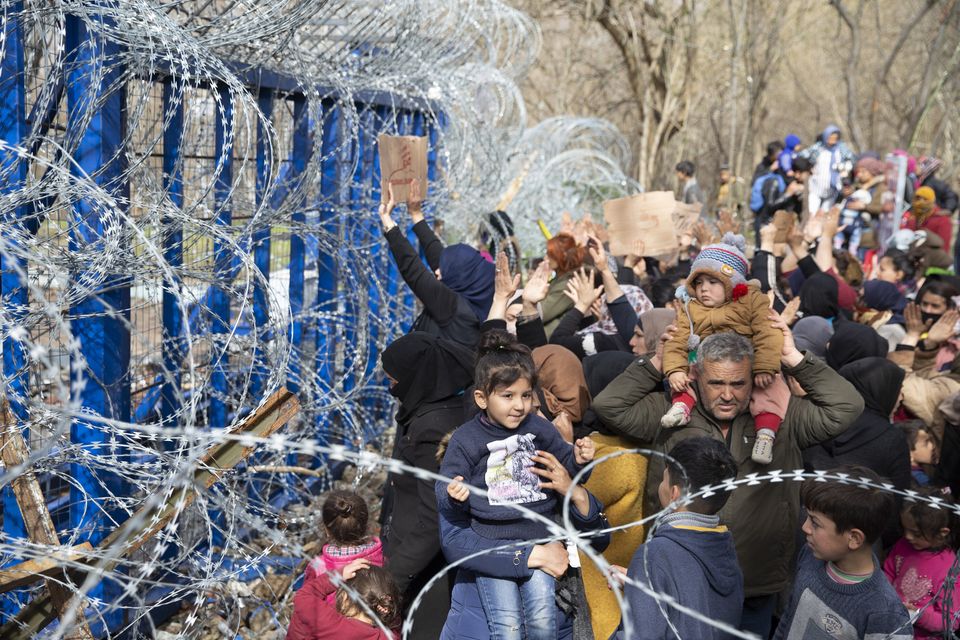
column 429, row 242
column 440, row 302
column 831, row 404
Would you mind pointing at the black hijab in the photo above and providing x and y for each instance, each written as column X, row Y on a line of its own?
column 427, row 369
column 878, row 380
column 819, row 296
column 852, row 341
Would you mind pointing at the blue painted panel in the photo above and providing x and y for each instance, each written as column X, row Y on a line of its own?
column 301, row 154
column 327, row 277
column 13, row 270
column 220, row 302
column 261, row 242
column 100, row 322
column 173, row 333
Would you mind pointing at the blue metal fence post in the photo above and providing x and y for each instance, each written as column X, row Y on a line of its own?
column 327, row 277
column 261, row 242
column 172, row 230
column 14, row 295
column 101, row 321
column 301, row 153
column 220, row 306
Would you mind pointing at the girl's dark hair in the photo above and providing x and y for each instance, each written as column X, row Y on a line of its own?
column 375, row 586
column 345, row 517
column 661, row 291
column 901, row 262
column 501, row 361
column 938, row 287
column 931, row 520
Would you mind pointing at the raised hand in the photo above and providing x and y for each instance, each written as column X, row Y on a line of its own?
column 415, row 201
column 943, row 329
column 580, row 289
column 386, row 210
column 537, row 285
column 504, row 284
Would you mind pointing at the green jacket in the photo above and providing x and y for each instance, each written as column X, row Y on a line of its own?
column 556, row 303
column 762, row 518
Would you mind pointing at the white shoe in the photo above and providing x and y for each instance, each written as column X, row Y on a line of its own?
column 677, row 416
column 763, row 449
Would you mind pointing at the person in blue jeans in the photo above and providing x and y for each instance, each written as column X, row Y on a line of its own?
column 496, row 451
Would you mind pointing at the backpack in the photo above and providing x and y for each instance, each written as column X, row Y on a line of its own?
column 756, row 191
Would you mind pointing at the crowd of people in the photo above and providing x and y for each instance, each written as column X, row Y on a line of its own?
column 834, row 350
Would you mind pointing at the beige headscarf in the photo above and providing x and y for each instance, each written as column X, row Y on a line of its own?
column 654, row 323
column 562, row 381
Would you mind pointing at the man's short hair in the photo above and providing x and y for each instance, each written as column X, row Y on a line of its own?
column 695, row 463
column 851, row 506
column 686, row 167
column 724, row 347
column 801, row 165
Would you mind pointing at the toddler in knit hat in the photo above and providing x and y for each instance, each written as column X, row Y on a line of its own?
column 717, row 298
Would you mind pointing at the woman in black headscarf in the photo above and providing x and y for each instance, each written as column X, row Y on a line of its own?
column 428, row 375
column 819, row 296
column 852, row 341
column 871, row 441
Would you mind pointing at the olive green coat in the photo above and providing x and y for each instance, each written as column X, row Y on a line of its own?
column 763, row 518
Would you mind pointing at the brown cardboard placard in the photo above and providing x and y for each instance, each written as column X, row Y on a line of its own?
column 686, row 215
column 783, row 220
column 645, row 216
column 402, row 159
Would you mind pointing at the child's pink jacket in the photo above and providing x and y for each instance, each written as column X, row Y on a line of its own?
column 334, row 558
column 918, row 576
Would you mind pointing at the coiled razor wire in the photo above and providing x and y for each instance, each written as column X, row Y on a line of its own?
column 215, row 209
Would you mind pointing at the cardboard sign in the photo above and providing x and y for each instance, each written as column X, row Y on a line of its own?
column 402, row 159
column 685, row 216
column 783, row 220
column 645, row 216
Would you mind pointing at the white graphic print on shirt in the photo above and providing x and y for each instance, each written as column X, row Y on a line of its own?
column 509, row 479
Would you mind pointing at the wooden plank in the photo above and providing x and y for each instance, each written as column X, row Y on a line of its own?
column 275, row 412
column 26, row 573
column 39, row 524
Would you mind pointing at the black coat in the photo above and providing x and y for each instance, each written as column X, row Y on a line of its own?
column 411, row 530
column 871, row 441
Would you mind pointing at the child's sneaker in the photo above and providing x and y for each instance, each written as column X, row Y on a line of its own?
column 677, row 416
column 763, row 449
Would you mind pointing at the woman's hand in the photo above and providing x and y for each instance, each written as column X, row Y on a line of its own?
column 538, row 283
column 598, row 253
column 913, row 320
column 942, row 330
column 415, row 201
column 790, row 311
column 504, row 284
column 584, row 450
column 386, row 210
column 555, row 477
column 564, row 425
column 580, row 289
column 551, row 558
column 351, row 568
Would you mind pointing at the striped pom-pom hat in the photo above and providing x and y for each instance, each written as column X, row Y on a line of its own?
column 724, row 261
